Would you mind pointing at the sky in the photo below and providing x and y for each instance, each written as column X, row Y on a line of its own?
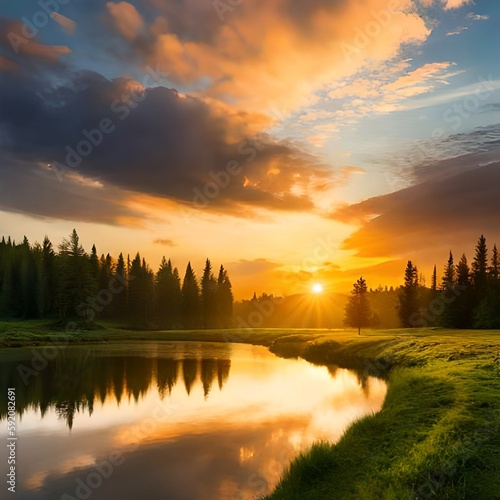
column 293, row 142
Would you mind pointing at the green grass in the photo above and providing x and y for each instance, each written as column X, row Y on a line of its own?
column 437, row 435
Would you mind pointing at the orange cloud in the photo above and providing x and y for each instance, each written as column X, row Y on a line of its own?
column 14, row 37
column 125, row 18
column 67, row 24
column 294, row 52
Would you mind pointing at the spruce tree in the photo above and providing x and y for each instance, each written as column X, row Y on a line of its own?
column 140, row 292
column 224, row 299
column 462, row 302
column 168, row 295
column 408, row 303
column 75, row 284
column 357, row 309
column 495, row 264
column 448, row 281
column 208, row 296
column 119, row 305
column 480, row 266
column 434, row 280
column 190, row 299
column 48, row 278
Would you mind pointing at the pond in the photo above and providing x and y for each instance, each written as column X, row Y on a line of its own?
column 174, row 420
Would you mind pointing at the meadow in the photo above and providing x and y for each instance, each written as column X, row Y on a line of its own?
column 437, row 435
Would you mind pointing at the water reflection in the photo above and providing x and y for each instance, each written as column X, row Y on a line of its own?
column 74, row 379
column 189, row 421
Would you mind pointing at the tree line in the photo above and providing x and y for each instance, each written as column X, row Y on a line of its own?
column 466, row 296
column 36, row 281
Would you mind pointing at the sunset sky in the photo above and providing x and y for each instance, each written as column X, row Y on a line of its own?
column 346, row 136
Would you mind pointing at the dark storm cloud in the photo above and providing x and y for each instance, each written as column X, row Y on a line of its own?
column 151, row 141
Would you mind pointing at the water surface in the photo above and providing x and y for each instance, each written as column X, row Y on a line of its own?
column 181, row 421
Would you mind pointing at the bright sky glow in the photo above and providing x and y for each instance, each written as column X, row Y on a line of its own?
column 283, row 152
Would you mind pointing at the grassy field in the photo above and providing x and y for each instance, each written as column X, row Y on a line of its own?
column 437, row 436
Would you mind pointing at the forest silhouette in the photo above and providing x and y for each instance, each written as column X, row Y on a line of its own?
column 38, row 282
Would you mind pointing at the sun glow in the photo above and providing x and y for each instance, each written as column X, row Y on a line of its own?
column 317, row 288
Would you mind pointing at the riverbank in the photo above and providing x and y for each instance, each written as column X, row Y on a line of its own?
column 437, row 436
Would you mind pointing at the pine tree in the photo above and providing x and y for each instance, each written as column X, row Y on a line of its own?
column 119, row 305
column 434, row 280
column 168, row 295
column 495, row 264
column 408, row 302
column 6, row 268
column 140, row 292
column 190, row 299
column 208, row 296
column 48, row 278
column 448, row 281
column 224, row 299
column 104, row 275
column 357, row 309
column 461, row 304
column 480, row 266
column 75, row 281
column 29, row 281
column 487, row 311
column 94, row 264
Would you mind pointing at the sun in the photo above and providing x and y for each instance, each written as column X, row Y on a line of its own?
column 317, row 288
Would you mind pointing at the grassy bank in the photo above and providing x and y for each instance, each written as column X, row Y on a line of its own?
column 39, row 332
column 437, row 436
